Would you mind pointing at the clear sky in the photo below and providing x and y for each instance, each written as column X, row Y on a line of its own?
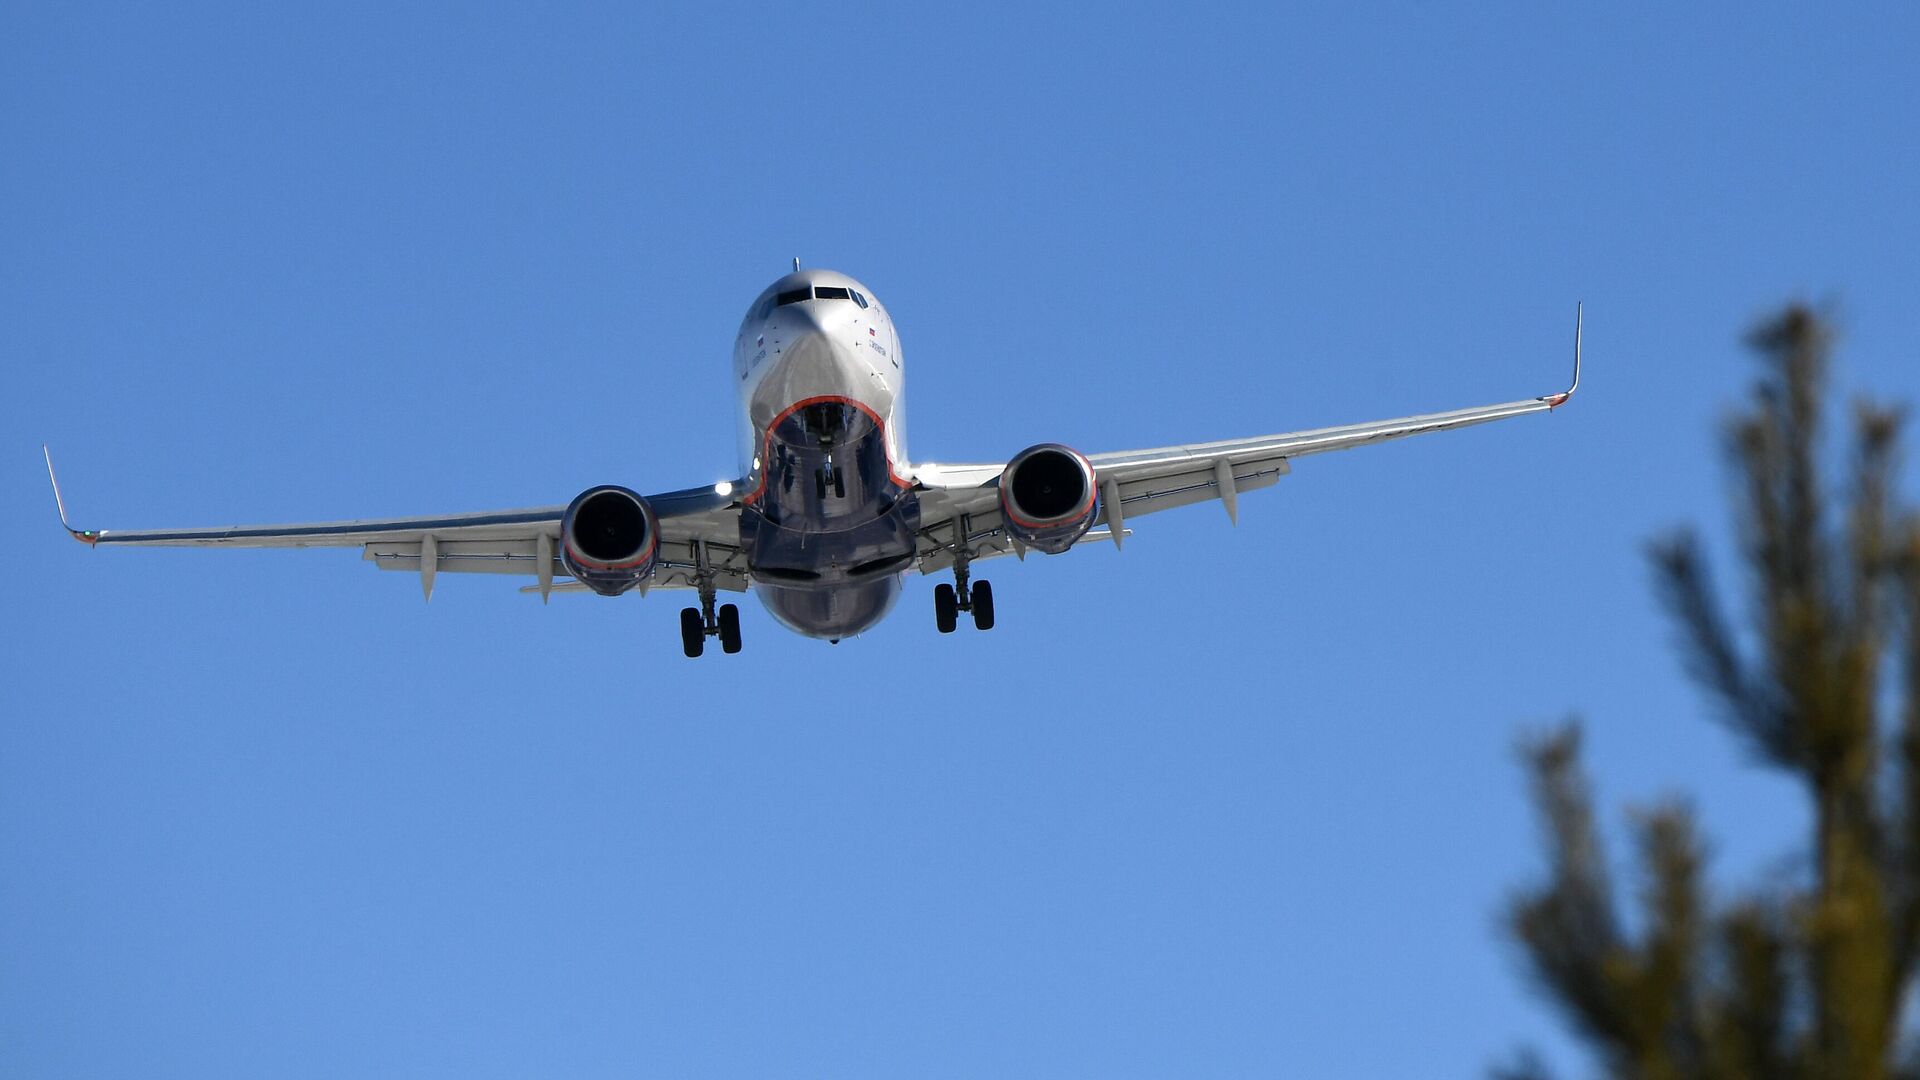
column 1234, row 802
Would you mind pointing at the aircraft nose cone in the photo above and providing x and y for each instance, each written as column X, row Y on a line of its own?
column 820, row 341
column 817, row 358
column 809, row 342
column 805, row 318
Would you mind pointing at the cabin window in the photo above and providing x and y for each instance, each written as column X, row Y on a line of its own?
column 857, row 298
column 791, row 296
column 830, row 292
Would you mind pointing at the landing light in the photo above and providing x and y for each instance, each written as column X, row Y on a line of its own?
column 723, row 489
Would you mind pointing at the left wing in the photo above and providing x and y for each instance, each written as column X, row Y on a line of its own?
column 961, row 504
column 493, row 542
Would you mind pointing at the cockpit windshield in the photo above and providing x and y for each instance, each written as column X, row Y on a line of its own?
column 775, row 299
column 817, row 292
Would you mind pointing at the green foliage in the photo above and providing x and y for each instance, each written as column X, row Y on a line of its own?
column 1809, row 980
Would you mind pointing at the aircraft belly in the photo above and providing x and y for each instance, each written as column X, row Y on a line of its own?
column 831, row 613
column 831, row 529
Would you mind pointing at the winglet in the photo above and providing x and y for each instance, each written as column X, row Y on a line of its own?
column 1554, row 401
column 88, row 537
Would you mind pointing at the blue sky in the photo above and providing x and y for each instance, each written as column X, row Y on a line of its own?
column 1234, row 802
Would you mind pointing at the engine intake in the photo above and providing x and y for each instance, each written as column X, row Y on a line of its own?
column 1048, row 497
column 609, row 539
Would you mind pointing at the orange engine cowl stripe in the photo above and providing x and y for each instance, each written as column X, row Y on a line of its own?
column 766, row 439
column 1083, row 510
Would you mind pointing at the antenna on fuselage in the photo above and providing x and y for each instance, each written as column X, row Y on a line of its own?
column 796, row 264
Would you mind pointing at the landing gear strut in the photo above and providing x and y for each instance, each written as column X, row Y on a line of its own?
column 950, row 600
column 698, row 624
column 829, row 475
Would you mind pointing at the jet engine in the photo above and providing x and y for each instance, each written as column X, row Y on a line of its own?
column 609, row 539
column 1048, row 497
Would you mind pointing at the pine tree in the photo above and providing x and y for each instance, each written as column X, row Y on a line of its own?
column 1806, row 981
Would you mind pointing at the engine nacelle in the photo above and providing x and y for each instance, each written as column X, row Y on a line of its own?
column 609, row 539
column 1048, row 497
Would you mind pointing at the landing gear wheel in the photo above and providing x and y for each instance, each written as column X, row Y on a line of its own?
column 820, row 484
column 693, row 632
column 946, row 609
column 982, row 605
column 839, row 483
column 729, row 628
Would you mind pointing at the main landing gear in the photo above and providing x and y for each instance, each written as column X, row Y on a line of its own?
column 698, row 624
column 950, row 600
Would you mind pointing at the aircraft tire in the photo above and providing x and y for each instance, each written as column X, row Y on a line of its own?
column 729, row 628
column 693, row 632
column 982, row 605
column 946, row 609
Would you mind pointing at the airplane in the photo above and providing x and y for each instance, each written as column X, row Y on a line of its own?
column 829, row 515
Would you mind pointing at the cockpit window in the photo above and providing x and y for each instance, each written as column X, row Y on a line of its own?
column 803, row 294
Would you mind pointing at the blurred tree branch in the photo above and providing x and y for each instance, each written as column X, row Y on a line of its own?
column 1809, row 983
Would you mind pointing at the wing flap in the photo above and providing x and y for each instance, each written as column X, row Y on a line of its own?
column 677, row 560
column 464, row 557
column 1196, row 481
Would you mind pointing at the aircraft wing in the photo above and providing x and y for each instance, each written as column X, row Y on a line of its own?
column 962, row 502
column 492, row 542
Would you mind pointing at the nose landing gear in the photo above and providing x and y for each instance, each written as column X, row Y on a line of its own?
column 829, row 475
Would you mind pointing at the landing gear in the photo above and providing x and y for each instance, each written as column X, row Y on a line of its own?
column 829, row 475
column 696, row 627
column 950, row 600
column 698, row 624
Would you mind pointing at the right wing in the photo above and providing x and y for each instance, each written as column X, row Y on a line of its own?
column 493, row 542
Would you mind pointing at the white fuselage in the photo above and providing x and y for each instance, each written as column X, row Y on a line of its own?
column 830, row 516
